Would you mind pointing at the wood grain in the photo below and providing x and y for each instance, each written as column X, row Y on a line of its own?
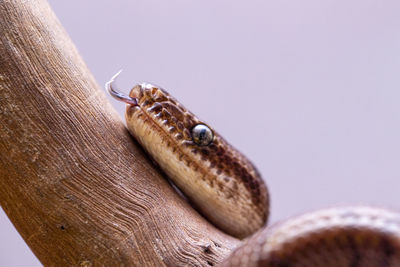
column 76, row 186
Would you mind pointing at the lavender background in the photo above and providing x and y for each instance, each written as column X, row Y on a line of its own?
column 309, row 90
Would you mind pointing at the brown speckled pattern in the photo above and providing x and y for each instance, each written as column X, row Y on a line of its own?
column 221, row 166
column 228, row 190
column 336, row 237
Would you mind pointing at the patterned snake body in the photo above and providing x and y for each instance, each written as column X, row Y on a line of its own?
column 335, row 237
column 227, row 189
column 217, row 178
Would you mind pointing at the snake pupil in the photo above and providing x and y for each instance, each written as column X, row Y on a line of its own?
column 202, row 135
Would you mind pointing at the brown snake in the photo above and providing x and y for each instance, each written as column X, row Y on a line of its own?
column 227, row 189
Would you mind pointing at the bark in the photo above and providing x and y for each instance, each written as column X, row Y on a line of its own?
column 74, row 183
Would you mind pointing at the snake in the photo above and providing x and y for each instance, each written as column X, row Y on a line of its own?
column 227, row 189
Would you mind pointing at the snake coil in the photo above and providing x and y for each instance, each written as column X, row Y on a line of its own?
column 228, row 190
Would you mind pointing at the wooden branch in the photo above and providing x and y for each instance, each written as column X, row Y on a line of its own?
column 76, row 186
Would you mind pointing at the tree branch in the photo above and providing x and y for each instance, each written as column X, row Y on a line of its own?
column 75, row 185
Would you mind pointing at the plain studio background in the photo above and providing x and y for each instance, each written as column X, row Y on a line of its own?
column 308, row 90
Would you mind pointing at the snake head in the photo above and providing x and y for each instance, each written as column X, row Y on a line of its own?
column 221, row 182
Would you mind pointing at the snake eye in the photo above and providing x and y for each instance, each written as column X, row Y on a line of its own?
column 202, row 135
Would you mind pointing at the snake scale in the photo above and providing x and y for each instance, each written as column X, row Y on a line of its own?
column 226, row 188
